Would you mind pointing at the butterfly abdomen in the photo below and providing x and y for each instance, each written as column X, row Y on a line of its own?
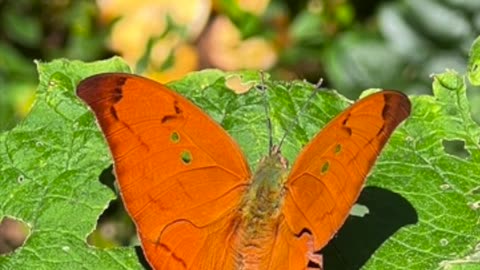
column 260, row 216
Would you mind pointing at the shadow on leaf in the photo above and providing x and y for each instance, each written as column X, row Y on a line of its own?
column 360, row 237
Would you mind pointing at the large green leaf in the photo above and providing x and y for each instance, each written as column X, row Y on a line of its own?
column 423, row 202
column 442, row 186
column 49, row 168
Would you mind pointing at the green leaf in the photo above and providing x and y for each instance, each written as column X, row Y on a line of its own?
column 438, row 21
column 444, row 189
column 400, row 34
column 49, row 168
column 307, row 28
column 426, row 216
column 474, row 63
column 351, row 67
column 22, row 28
column 243, row 116
column 248, row 23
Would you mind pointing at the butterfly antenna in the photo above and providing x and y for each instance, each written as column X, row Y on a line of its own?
column 263, row 88
column 302, row 111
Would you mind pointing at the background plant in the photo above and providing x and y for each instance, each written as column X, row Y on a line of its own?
column 352, row 45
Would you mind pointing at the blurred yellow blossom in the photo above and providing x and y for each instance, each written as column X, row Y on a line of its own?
column 173, row 26
column 111, row 9
column 193, row 14
column 225, row 49
column 131, row 34
column 142, row 21
column 256, row 7
column 186, row 60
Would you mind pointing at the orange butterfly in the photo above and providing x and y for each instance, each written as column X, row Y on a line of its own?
column 187, row 185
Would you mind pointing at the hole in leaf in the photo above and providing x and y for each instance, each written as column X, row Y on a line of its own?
column 114, row 226
column 108, row 179
column 236, row 84
column 359, row 210
column 456, row 148
column 325, row 168
column 13, row 234
column 175, row 137
column 186, row 157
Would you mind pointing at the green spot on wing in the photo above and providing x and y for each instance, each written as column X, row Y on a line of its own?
column 175, row 137
column 186, row 157
column 338, row 149
column 325, row 167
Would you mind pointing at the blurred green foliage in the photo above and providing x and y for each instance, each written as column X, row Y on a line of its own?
column 41, row 30
column 352, row 44
column 399, row 44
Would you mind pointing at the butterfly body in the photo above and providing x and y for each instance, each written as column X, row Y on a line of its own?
column 260, row 214
column 187, row 185
column 265, row 195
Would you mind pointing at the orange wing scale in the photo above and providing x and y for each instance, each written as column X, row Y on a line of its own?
column 184, row 181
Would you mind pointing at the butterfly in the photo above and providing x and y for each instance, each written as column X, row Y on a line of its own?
column 196, row 204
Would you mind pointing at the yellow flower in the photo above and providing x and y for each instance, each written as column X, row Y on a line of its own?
column 225, row 49
column 170, row 24
column 185, row 60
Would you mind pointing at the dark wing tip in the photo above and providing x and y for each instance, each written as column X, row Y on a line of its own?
column 102, row 90
column 397, row 108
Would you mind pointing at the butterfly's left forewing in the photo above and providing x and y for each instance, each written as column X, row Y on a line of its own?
column 181, row 176
column 328, row 175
